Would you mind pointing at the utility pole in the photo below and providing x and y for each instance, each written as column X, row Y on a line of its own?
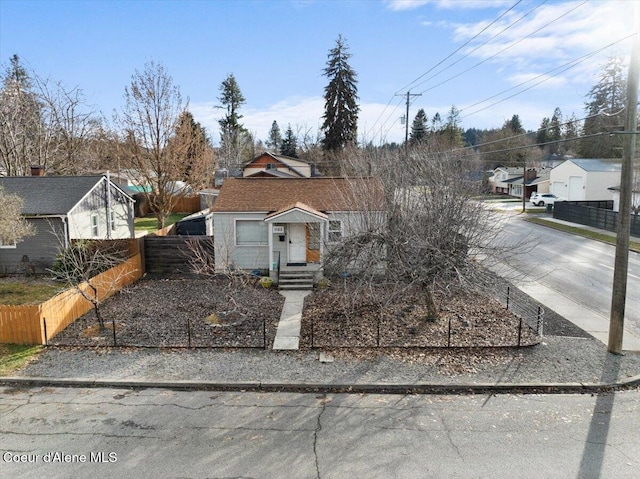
column 621, row 265
column 406, row 123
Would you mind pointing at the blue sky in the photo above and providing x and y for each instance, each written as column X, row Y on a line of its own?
column 278, row 49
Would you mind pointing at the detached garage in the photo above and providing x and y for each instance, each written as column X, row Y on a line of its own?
column 585, row 179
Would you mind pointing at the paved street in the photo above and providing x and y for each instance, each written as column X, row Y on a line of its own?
column 580, row 269
column 168, row 434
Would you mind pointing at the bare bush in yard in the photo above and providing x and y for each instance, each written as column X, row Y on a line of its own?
column 419, row 226
column 82, row 261
column 13, row 227
column 203, row 263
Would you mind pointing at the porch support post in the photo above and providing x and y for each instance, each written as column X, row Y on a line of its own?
column 322, row 233
column 270, row 243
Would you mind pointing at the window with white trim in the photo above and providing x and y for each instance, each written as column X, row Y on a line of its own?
column 272, row 166
column 334, row 231
column 112, row 218
column 95, row 230
column 7, row 245
column 251, row 233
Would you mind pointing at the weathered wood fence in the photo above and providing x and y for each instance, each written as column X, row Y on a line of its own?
column 36, row 324
column 172, row 254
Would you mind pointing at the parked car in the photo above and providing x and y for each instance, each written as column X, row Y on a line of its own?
column 543, row 199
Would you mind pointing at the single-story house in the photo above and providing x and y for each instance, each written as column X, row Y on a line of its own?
column 278, row 166
column 62, row 209
column 582, row 179
column 273, row 223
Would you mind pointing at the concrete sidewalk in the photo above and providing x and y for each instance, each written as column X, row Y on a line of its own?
column 288, row 332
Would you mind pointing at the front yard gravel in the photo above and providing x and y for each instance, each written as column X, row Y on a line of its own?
column 565, row 355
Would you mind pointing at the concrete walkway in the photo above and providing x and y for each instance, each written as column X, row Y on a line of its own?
column 288, row 332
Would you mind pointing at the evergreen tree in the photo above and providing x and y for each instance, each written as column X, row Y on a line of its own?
column 275, row 138
column 289, row 144
column 341, row 97
column 436, row 123
column 21, row 127
column 555, row 132
column 570, row 133
column 515, row 125
column 231, row 129
column 605, row 112
column 542, row 136
column 419, row 128
column 192, row 147
column 452, row 133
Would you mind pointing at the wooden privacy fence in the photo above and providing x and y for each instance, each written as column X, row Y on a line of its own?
column 26, row 324
column 187, row 204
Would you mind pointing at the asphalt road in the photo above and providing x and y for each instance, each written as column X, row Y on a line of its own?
column 578, row 268
column 171, row 434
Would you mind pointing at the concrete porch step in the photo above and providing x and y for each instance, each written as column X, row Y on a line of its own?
column 296, row 280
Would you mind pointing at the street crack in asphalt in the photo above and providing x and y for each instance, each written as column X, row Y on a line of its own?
column 323, row 403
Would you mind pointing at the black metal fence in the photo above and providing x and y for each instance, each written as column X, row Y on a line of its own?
column 598, row 214
column 524, row 329
column 183, row 333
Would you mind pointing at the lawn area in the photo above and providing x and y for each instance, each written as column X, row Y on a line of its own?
column 14, row 356
column 31, row 292
column 150, row 223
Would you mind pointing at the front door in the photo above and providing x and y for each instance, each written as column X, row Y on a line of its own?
column 297, row 243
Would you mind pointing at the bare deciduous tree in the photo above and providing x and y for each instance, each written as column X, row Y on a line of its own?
column 420, row 228
column 13, row 227
column 82, row 261
column 42, row 123
column 149, row 120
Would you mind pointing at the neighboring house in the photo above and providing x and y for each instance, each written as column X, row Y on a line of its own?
column 61, row 209
column 585, row 179
column 264, row 223
column 502, row 178
column 278, row 166
column 536, row 181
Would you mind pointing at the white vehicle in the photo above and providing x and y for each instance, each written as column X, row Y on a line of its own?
column 543, row 199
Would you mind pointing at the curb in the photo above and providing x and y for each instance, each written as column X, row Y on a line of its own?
column 260, row 386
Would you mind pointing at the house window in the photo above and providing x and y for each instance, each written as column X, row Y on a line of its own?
column 95, row 231
column 251, row 233
column 272, row 166
column 112, row 218
column 334, row 233
column 7, row 245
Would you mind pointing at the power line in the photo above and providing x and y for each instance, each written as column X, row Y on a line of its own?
column 545, row 77
column 503, row 50
column 406, row 87
column 483, row 44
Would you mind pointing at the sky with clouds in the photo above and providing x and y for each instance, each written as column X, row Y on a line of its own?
column 491, row 59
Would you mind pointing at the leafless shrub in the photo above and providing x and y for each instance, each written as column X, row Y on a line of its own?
column 422, row 226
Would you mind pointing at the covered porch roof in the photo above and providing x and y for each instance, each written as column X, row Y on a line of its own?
column 296, row 213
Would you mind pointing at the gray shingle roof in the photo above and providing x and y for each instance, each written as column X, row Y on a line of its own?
column 588, row 164
column 49, row 195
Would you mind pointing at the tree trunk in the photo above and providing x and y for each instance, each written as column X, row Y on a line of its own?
column 432, row 309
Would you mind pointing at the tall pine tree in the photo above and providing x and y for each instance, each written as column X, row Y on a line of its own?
column 341, row 100
column 605, row 112
column 419, row 128
column 275, row 138
column 231, row 130
column 289, row 144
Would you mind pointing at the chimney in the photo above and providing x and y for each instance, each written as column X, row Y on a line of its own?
column 530, row 175
column 37, row 171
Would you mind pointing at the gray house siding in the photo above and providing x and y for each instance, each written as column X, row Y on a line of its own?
column 40, row 249
column 228, row 253
column 80, row 218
